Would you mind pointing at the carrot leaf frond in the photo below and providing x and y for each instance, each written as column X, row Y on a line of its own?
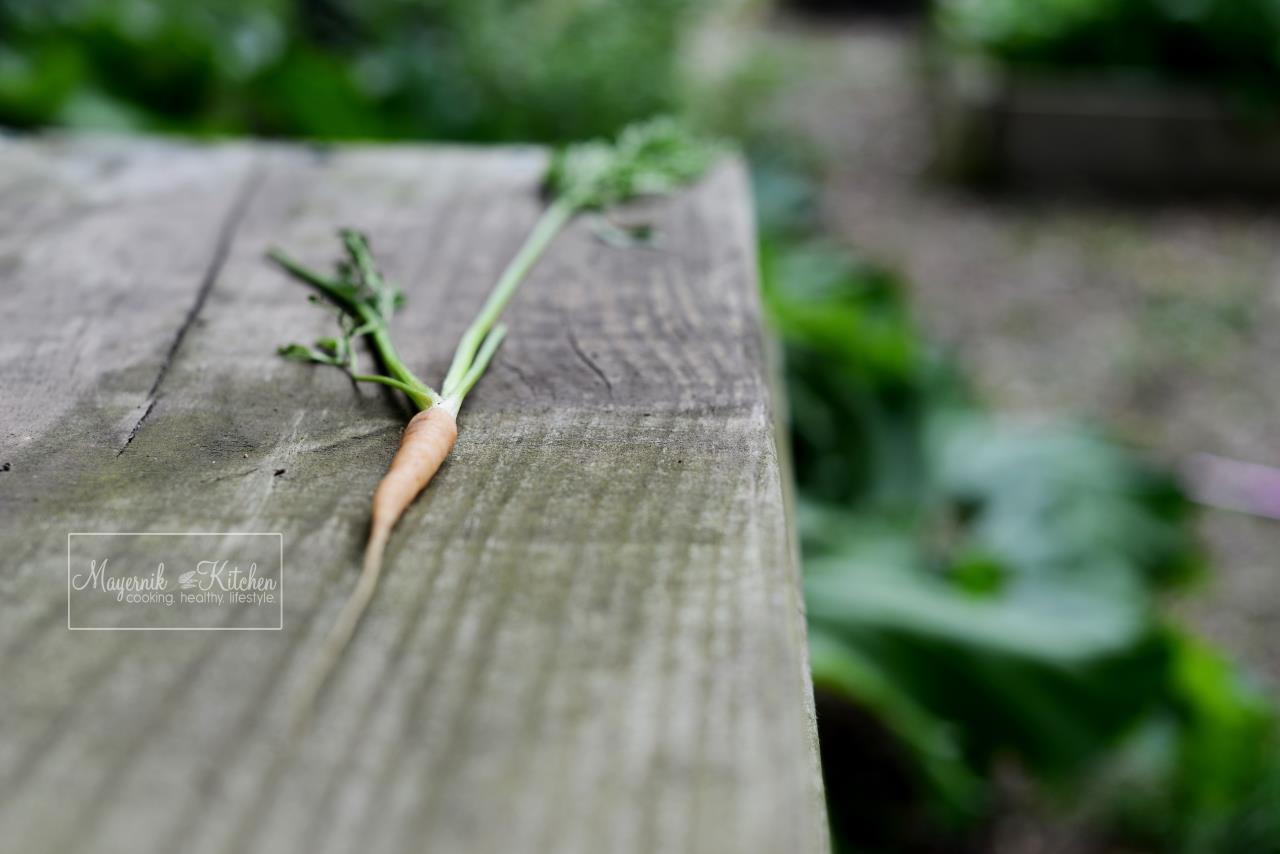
column 320, row 353
column 365, row 303
column 649, row 158
column 362, row 272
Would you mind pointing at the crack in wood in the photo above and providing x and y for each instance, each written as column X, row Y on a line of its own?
column 589, row 362
column 221, row 249
column 236, row 474
column 149, row 404
column 521, row 375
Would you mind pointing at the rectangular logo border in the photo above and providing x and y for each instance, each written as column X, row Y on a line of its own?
column 278, row 534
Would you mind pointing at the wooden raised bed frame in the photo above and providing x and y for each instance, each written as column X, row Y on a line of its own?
column 1096, row 132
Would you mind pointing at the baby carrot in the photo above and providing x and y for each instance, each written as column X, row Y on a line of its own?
column 650, row 158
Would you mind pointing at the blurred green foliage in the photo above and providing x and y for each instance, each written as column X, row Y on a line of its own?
column 988, row 592
column 1235, row 43
column 445, row 69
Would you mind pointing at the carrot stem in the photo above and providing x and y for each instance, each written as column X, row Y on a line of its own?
column 377, row 378
column 478, row 366
column 548, row 226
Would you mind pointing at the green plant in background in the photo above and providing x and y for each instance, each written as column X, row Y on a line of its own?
column 1202, row 773
column 985, row 593
column 1224, row 42
column 445, row 69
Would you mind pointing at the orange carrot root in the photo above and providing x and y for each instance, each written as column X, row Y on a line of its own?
column 425, row 444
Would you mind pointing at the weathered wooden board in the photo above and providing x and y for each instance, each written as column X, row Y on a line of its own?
column 590, row 636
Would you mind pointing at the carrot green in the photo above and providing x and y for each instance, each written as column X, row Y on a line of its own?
column 651, row 158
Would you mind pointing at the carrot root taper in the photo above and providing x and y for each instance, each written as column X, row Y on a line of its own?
column 424, row 446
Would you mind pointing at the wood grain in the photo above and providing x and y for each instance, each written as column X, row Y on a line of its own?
column 589, row 637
